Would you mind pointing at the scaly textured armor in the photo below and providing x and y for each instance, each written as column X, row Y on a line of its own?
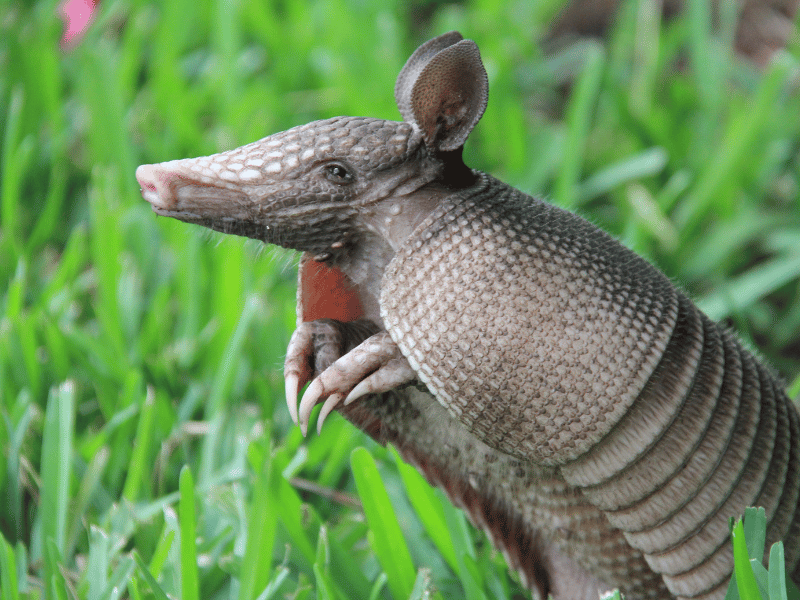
column 555, row 385
column 659, row 417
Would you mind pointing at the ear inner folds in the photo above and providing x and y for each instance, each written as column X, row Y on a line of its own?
column 414, row 65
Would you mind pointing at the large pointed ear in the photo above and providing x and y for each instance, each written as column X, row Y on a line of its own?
column 413, row 67
column 443, row 90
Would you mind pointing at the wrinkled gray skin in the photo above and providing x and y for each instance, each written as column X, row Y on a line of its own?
column 559, row 388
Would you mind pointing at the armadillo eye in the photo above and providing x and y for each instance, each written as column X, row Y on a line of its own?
column 337, row 173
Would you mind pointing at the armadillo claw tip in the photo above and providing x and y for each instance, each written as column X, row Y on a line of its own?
column 363, row 388
column 308, row 402
column 292, row 383
column 326, row 409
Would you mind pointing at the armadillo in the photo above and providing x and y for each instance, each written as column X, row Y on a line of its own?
column 553, row 383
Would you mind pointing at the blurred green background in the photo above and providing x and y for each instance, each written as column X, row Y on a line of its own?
column 139, row 355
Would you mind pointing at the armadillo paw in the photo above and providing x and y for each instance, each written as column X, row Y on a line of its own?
column 376, row 365
column 314, row 346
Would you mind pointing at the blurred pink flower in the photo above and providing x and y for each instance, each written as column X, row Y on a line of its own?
column 77, row 16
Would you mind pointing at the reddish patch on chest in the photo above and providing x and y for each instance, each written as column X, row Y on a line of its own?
column 324, row 292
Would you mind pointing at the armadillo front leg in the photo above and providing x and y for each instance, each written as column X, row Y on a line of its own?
column 345, row 373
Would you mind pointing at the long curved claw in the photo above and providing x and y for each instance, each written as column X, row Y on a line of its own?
column 292, row 383
column 394, row 373
column 310, row 398
column 326, row 409
column 297, row 366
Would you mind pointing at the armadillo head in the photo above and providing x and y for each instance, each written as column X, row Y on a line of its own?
column 302, row 188
column 325, row 186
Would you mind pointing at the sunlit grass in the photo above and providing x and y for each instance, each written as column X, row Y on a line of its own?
column 140, row 356
column 753, row 580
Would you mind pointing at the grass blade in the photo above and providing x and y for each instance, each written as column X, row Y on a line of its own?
column 579, row 117
column 281, row 574
column 90, row 482
column 16, row 438
column 429, row 510
column 100, row 557
column 422, row 586
column 145, row 573
column 14, row 155
column 118, row 583
column 777, row 573
column 8, row 570
column 56, row 474
column 755, row 531
column 161, row 552
column 742, row 291
column 324, row 584
column 55, row 585
column 138, row 465
column 745, row 580
column 386, row 536
column 190, row 587
column 222, row 386
column 105, row 252
column 733, row 151
column 646, row 163
column 261, row 528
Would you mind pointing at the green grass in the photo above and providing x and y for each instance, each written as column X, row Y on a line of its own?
column 751, row 580
column 147, row 450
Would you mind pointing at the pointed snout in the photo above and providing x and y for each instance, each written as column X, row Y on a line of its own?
column 190, row 190
column 157, row 185
column 220, row 185
column 189, row 186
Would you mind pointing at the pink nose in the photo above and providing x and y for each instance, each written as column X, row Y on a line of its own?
column 157, row 185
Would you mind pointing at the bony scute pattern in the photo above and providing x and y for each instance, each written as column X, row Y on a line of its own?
column 568, row 343
column 556, row 386
column 659, row 470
